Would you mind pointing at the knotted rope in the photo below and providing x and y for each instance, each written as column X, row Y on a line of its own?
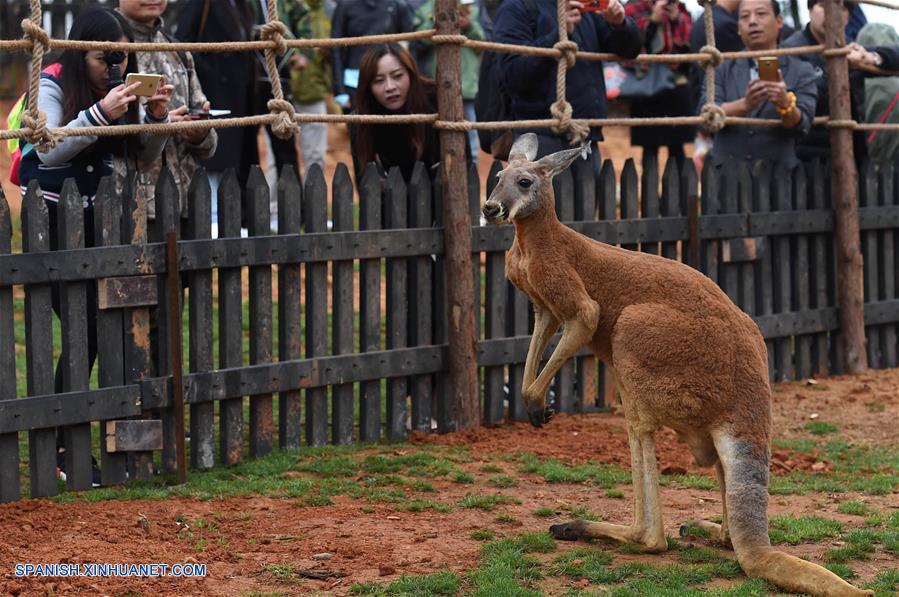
column 284, row 125
column 35, row 121
column 713, row 117
column 561, row 108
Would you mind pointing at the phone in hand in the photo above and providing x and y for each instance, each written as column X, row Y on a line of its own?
column 769, row 68
column 204, row 114
column 149, row 84
column 595, row 5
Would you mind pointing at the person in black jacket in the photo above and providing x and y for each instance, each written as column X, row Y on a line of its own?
column 354, row 18
column 389, row 83
column 817, row 144
column 530, row 81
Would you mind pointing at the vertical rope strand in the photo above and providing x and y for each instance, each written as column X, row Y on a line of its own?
column 561, row 109
column 284, row 125
column 714, row 115
column 33, row 119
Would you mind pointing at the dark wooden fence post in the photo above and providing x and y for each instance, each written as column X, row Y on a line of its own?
column 39, row 344
column 260, row 278
column 850, row 275
column 315, row 219
column 202, row 415
column 421, row 299
column 463, row 401
column 10, row 489
column 888, row 263
column 370, row 305
column 395, row 210
column 290, row 338
column 344, row 316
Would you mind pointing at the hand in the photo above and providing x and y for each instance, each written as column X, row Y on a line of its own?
column 658, row 11
column 193, row 136
column 573, row 15
column 115, row 104
column 756, row 93
column 614, row 14
column 298, row 61
column 859, row 57
column 673, row 10
column 776, row 91
column 158, row 105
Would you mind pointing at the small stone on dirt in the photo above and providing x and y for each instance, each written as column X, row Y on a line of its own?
column 813, row 416
column 582, row 583
column 393, row 518
column 386, row 570
column 323, row 556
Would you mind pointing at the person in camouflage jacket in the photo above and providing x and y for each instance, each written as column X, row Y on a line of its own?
column 184, row 151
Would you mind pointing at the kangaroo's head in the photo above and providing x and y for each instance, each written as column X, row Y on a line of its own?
column 525, row 186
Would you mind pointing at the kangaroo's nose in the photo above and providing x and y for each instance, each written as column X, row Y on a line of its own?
column 491, row 210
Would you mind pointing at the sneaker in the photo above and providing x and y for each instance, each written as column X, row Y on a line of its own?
column 96, row 477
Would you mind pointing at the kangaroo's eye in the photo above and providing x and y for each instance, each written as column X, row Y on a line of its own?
column 525, row 183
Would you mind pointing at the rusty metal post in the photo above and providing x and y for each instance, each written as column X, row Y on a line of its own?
column 850, row 273
column 463, row 399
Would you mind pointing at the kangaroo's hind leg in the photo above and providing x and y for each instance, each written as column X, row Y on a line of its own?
column 647, row 529
column 717, row 532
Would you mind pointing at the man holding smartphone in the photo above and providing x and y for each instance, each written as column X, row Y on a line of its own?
column 530, row 81
column 782, row 89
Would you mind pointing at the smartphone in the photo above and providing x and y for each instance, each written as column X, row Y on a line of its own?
column 203, row 115
column 768, row 69
column 149, row 84
column 595, row 5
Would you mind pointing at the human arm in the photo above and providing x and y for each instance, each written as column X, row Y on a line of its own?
column 619, row 33
column 514, row 25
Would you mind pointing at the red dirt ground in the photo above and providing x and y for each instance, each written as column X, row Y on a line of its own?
column 374, row 542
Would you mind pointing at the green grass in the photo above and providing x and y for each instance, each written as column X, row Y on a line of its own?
column 502, row 481
column 689, row 481
column 482, row 535
column 795, row 530
column 554, row 471
column 282, row 572
column 485, row 501
column 886, row 583
column 820, row 428
column 581, row 513
column 853, row 507
column 544, row 512
column 439, row 583
column 615, row 493
column 463, row 477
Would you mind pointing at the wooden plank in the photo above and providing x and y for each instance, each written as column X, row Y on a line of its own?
column 421, row 300
column 315, row 219
column 131, row 291
column 802, row 277
column 74, row 360
column 728, row 273
column 10, row 485
column 764, row 273
column 441, row 409
column 260, row 278
column 39, row 344
column 290, row 339
column 474, row 214
column 230, row 322
column 606, row 199
column 343, row 296
column 710, row 205
column 395, row 207
column 689, row 187
column 747, row 269
column 55, row 409
column 868, row 196
column 200, row 322
column 167, row 220
column 137, row 337
column 370, row 306
column 820, row 247
column 649, row 198
column 782, row 263
column 629, row 191
column 670, row 203
column 887, row 198
column 134, row 436
column 497, row 320
column 110, row 331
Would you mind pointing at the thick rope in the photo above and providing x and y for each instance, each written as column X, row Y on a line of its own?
column 713, row 117
column 561, row 109
column 33, row 119
column 284, row 125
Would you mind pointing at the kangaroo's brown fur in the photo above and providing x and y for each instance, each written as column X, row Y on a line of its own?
column 684, row 357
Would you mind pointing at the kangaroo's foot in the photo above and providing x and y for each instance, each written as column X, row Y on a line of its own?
column 716, row 532
column 585, row 529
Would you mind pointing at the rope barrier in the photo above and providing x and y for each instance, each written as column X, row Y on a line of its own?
column 285, row 121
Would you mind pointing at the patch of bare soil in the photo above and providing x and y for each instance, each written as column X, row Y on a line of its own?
column 243, row 541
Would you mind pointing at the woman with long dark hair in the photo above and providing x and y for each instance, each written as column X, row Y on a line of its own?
column 389, row 83
column 75, row 92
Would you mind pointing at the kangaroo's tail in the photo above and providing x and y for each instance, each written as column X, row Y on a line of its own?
column 746, row 492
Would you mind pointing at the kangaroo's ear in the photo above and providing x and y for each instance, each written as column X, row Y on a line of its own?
column 556, row 162
column 524, row 148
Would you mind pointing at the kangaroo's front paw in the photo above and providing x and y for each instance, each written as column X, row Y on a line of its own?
column 570, row 531
column 540, row 416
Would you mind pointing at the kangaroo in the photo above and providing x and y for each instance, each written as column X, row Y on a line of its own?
column 684, row 357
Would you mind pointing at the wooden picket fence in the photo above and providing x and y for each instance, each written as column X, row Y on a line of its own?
column 352, row 345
